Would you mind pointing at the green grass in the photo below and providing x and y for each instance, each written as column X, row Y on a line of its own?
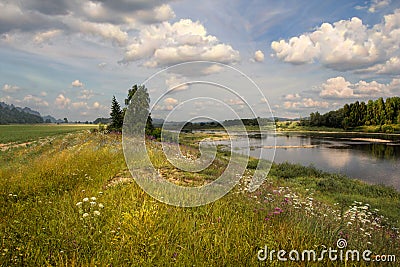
column 27, row 132
column 294, row 126
column 296, row 208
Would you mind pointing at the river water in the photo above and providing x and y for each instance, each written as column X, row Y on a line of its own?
column 369, row 157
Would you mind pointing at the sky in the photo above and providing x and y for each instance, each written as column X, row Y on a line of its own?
column 67, row 58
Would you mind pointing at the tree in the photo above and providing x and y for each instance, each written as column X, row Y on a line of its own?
column 380, row 114
column 65, row 120
column 141, row 102
column 117, row 118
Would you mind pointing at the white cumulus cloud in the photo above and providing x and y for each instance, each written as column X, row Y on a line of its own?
column 34, row 100
column 10, row 88
column 344, row 45
column 62, row 101
column 339, row 87
column 77, row 83
column 185, row 40
column 259, row 56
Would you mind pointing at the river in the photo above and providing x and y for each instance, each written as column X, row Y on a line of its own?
column 369, row 157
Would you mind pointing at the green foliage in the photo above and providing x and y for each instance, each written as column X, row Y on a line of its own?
column 138, row 107
column 117, row 116
column 356, row 114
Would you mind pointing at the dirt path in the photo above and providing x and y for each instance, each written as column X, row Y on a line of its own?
column 4, row 147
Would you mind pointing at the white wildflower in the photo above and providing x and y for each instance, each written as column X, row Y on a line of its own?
column 96, row 212
column 85, row 215
column 86, row 199
column 79, row 204
column 93, row 198
column 101, row 205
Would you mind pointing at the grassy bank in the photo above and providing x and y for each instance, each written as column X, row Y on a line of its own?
column 69, row 201
column 294, row 126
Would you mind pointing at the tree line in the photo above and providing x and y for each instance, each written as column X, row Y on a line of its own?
column 374, row 112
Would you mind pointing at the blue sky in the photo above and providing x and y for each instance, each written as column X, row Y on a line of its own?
column 67, row 58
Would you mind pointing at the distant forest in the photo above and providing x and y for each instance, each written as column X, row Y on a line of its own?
column 378, row 112
column 13, row 115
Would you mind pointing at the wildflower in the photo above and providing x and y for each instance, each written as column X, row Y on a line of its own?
column 101, row 205
column 96, row 212
column 85, row 215
column 278, row 210
column 92, row 203
column 100, row 193
column 79, row 204
column 266, row 219
column 93, row 198
column 85, row 199
column 349, row 223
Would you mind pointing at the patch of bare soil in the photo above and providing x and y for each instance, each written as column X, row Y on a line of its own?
column 123, row 177
column 4, row 147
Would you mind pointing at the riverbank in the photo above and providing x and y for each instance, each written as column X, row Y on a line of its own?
column 372, row 129
column 64, row 203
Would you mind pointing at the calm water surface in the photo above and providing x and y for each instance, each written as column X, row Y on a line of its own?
column 365, row 157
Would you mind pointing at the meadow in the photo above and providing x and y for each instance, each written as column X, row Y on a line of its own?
column 19, row 133
column 69, row 200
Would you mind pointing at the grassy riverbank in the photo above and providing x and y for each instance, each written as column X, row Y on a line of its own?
column 295, row 127
column 69, row 200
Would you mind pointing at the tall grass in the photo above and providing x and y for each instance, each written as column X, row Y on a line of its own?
column 56, row 208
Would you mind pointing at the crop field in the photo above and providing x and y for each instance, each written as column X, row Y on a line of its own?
column 23, row 133
column 70, row 201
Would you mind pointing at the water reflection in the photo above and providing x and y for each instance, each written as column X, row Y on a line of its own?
column 369, row 158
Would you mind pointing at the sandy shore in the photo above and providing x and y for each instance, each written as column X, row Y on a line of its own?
column 285, row 147
column 372, row 140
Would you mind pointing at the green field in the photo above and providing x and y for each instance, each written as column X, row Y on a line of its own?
column 25, row 132
column 70, row 201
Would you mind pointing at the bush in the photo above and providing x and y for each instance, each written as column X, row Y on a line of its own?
column 387, row 128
